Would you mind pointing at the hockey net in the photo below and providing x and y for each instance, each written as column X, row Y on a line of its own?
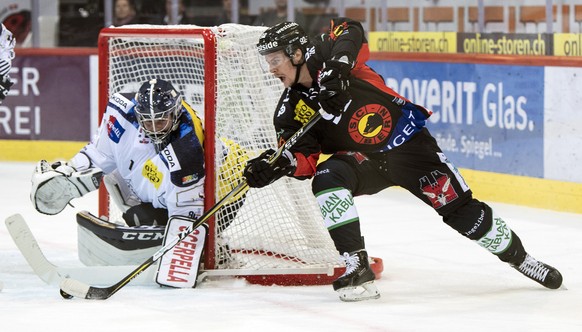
column 277, row 235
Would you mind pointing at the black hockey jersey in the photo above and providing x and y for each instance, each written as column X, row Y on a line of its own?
column 377, row 120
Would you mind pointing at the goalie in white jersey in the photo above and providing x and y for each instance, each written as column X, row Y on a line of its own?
column 6, row 55
column 151, row 150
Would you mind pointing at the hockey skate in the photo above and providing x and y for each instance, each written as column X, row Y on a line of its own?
column 539, row 272
column 357, row 283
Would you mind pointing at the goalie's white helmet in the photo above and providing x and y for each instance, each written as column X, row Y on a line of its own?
column 158, row 109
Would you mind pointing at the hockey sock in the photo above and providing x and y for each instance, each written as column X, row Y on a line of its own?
column 341, row 218
column 499, row 237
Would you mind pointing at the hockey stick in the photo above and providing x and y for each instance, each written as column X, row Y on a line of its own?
column 73, row 288
column 52, row 274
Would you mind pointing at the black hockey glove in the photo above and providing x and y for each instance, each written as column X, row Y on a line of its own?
column 333, row 82
column 260, row 173
column 5, row 85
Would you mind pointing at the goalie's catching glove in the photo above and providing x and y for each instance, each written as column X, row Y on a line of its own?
column 54, row 186
column 259, row 172
column 5, row 85
column 334, row 96
column 63, row 167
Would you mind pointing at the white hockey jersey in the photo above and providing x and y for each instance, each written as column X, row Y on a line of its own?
column 6, row 50
column 172, row 179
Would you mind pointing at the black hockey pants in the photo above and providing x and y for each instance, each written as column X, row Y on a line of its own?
column 418, row 166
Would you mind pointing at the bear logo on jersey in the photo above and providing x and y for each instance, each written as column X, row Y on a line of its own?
column 439, row 191
column 370, row 124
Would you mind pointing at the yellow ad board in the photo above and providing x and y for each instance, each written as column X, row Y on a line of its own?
column 420, row 42
column 568, row 44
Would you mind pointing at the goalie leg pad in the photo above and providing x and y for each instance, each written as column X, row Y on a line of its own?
column 101, row 242
column 179, row 267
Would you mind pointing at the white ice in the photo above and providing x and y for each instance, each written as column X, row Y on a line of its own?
column 433, row 280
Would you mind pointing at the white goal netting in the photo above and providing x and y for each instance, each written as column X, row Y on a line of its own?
column 217, row 70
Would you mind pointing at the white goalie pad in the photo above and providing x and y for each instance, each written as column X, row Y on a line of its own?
column 53, row 189
column 179, row 267
column 101, row 242
column 119, row 191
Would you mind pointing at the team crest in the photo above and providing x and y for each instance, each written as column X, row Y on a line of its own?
column 439, row 190
column 337, row 30
column 370, row 124
column 151, row 172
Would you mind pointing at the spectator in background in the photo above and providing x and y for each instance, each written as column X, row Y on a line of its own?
column 226, row 16
column 182, row 18
column 125, row 13
column 273, row 16
column 315, row 19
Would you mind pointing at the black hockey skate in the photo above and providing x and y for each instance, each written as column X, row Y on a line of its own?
column 358, row 275
column 540, row 272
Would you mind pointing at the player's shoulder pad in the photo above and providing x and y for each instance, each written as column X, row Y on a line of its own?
column 184, row 157
column 121, row 102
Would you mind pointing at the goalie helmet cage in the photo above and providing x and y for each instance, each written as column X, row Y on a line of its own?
column 277, row 236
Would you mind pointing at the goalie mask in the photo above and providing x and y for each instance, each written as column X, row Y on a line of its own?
column 158, row 108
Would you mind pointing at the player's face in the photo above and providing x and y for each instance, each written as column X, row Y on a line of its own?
column 280, row 65
column 158, row 125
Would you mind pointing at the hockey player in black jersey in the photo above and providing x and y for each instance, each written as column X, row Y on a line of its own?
column 375, row 139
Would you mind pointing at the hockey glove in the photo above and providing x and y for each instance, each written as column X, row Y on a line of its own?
column 259, row 172
column 54, row 186
column 334, row 96
column 5, row 85
column 63, row 167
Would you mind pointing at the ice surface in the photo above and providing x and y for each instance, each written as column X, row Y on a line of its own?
column 433, row 280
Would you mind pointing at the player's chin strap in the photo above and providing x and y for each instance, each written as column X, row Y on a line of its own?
column 53, row 188
column 297, row 70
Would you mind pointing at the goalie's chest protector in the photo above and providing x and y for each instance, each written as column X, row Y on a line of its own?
column 135, row 156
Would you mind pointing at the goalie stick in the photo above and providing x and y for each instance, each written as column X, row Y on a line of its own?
column 70, row 288
column 52, row 274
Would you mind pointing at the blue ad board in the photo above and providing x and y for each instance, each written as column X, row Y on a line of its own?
column 485, row 117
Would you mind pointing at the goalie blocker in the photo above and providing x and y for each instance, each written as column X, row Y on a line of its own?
column 101, row 242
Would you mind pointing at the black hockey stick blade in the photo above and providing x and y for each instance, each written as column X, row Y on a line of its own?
column 70, row 288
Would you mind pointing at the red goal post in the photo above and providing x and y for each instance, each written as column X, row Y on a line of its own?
column 278, row 235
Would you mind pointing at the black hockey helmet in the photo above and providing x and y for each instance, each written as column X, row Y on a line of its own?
column 287, row 36
column 158, row 107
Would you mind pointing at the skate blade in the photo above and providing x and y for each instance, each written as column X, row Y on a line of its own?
column 367, row 291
